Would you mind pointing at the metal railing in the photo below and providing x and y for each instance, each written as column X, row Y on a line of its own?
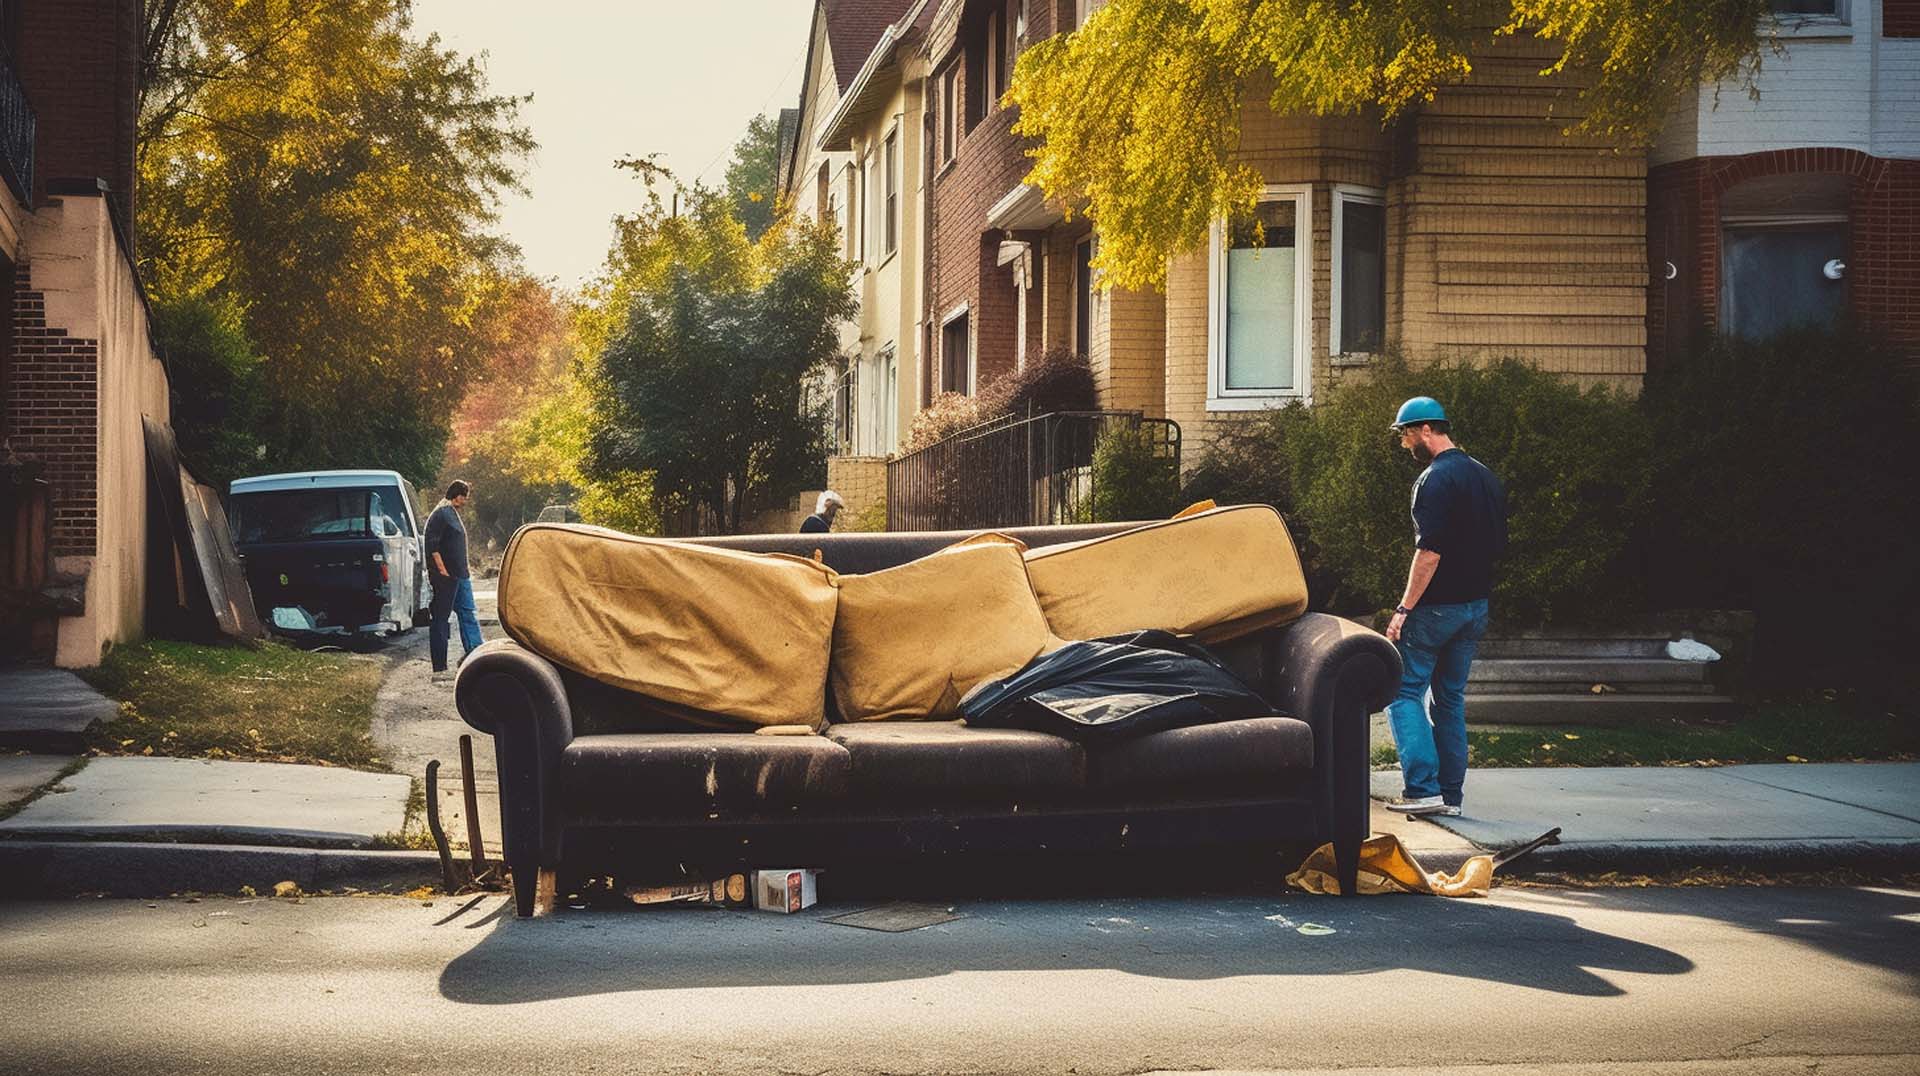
column 1013, row 472
column 16, row 133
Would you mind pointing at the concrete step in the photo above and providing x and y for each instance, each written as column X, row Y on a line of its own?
column 1597, row 645
column 48, row 710
column 1584, row 687
column 1614, row 709
column 1588, row 670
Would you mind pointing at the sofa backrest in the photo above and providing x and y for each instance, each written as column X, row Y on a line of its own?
column 854, row 553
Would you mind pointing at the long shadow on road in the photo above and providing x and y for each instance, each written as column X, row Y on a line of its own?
column 1191, row 938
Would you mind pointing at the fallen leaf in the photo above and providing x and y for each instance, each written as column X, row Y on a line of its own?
column 1315, row 930
column 286, row 889
column 1570, row 736
column 1795, row 758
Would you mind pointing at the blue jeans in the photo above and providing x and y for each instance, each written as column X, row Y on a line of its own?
column 1436, row 650
column 452, row 596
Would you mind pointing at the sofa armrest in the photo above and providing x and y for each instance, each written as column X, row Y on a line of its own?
column 517, row 697
column 1333, row 674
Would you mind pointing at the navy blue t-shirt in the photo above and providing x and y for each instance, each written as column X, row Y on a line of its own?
column 447, row 536
column 1459, row 512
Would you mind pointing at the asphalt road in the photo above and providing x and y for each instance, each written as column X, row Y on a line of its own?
column 1689, row 981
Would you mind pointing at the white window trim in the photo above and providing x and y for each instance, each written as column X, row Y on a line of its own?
column 1342, row 194
column 1220, row 398
column 973, row 353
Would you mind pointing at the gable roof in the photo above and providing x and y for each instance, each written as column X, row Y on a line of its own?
column 853, row 28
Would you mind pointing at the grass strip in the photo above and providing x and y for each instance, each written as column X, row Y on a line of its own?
column 267, row 702
column 1803, row 731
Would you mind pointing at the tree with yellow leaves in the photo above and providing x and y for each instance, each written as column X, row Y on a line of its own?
column 1137, row 113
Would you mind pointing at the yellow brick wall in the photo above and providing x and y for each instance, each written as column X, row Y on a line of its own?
column 862, row 482
column 1506, row 236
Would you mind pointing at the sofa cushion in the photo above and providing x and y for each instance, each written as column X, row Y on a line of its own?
column 908, row 642
column 632, row 777
column 744, row 636
column 1227, row 756
column 942, row 761
column 1215, row 574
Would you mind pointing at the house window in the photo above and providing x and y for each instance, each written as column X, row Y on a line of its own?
column 1783, row 254
column 1012, row 26
column 1809, row 18
column 878, row 206
column 823, row 191
column 890, row 156
column 1081, row 9
column 845, row 403
column 847, row 214
column 1794, row 8
column 1083, row 295
column 1358, row 307
column 985, row 57
column 862, row 210
column 949, row 113
column 956, row 366
column 1261, row 303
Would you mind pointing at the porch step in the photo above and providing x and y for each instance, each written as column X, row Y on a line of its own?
column 1589, row 709
column 48, row 710
column 1596, row 645
column 1587, row 671
column 1477, row 686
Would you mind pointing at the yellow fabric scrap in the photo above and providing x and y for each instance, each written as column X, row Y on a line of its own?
column 1387, row 867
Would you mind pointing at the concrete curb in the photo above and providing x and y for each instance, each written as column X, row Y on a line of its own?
column 39, row 869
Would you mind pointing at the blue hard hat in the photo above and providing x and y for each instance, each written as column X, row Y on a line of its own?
column 1417, row 410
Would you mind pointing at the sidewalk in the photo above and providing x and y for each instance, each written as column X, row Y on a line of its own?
column 150, row 826
column 1639, row 820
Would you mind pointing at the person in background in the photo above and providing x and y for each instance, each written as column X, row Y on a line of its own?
column 821, row 521
column 452, row 586
column 1459, row 527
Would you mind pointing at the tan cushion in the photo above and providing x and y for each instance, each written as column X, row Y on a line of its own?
column 745, row 635
column 1214, row 574
column 909, row 641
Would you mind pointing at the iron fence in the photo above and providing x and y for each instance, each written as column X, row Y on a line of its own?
column 1013, row 472
column 16, row 133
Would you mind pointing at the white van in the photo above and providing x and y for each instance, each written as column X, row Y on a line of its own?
column 335, row 552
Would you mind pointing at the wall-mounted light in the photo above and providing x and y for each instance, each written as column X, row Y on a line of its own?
column 1672, row 270
column 1834, row 269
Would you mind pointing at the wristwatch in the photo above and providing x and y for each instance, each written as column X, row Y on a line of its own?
column 1401, row 610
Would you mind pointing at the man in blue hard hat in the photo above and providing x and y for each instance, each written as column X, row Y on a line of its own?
column 1459, row 527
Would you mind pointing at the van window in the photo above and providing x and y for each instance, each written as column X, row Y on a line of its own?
column 299, row 515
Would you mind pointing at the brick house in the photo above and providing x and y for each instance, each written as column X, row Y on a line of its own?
column 1803, row 204
column 78, row 371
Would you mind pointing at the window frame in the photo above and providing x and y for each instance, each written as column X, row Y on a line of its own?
column 946, row 323
column 890, row 168
column 1219, row 397
column 1083, row 293
column 949, row 113
column 1342, row 194
column 1788, row 24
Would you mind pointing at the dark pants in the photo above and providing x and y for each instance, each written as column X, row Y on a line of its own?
column 451, row 596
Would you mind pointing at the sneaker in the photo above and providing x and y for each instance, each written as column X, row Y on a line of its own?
column 1418, row 805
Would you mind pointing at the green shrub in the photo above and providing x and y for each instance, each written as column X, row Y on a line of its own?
column 1782, row 485
column 1133, row 478
column 214, row 373
column 1574, row 464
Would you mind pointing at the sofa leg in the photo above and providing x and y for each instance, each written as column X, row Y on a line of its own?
column 525, row 883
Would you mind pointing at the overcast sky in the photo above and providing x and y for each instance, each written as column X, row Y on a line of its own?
column 614, row 78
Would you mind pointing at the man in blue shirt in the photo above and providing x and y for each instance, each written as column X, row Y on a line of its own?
column 452, row 585
column 1459, row 527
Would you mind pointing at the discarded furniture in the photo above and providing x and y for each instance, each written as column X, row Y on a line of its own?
column 626, row 768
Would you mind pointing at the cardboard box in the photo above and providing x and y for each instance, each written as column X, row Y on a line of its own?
column 785, row 891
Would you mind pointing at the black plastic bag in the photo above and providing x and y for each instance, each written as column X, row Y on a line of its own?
column 1111, row 689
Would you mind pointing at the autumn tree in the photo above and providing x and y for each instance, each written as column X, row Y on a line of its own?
column 1137, row 113
column 332, row 178
column 708, row 354
column 750, row 176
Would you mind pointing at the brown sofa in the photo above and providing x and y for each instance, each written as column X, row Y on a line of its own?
column 596, row 779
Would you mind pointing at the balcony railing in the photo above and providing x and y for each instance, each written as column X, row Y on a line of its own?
column 1013, row 472
column 16, row 133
